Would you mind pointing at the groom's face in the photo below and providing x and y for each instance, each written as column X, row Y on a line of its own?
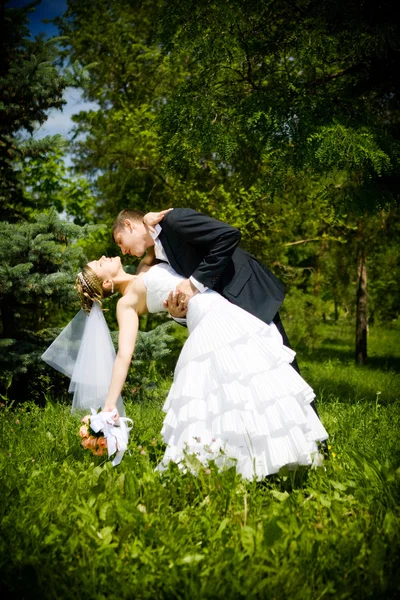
column 133, row 238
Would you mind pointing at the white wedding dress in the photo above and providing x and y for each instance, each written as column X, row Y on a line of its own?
column 235, row 397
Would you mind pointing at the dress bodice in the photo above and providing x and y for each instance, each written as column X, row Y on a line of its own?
column 159, row 281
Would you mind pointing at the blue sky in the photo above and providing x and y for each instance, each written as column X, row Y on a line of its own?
column 58, row 121
column 47, row 9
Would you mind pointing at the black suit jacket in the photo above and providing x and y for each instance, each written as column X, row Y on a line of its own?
column 199, row 246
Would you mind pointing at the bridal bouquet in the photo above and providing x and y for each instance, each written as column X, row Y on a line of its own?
column 95, row 442
column 100, row 432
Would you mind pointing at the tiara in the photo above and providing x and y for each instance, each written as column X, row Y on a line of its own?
column 82, row 279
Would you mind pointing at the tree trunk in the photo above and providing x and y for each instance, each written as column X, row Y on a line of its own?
column 362, row 307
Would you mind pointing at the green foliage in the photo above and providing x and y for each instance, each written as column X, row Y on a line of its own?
column 301, row 315
column 129, row 79
column 30, row 85
column 279, row 118
column 46, row 182
column 383, row 269
column 68, row 520
column 37, row 272
column 148, row 370
column 340, row 147
column 286, row 86
column 38, row 257
column 329, row 370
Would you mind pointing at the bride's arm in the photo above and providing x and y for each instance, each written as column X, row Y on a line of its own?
column 128, row 322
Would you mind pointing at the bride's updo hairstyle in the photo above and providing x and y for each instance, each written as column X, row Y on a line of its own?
column 90, row 288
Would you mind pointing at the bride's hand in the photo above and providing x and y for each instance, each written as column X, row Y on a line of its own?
column 109, row 408
column 152, row 218
column 176, row 304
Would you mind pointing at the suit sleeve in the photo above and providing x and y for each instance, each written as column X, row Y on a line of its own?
column 215, row 240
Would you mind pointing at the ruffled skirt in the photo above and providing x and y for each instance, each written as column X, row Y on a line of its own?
column 235, row 398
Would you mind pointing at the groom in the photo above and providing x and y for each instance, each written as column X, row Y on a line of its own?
column 207, row 253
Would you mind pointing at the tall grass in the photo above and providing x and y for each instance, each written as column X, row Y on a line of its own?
column 74, row 527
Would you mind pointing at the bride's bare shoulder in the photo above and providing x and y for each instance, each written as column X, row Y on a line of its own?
column 130, row 298
column 134, row 296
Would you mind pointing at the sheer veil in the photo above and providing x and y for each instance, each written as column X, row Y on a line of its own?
column 85, row 353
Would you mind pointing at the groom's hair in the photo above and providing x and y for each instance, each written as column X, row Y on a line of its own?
column 119, row 223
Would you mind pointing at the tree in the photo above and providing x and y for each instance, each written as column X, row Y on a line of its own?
column 30, row 85
column 129, row 79
column 39, row 263
column 46, row 182
column 280, row 118
column 38, row 259
column 291, row 85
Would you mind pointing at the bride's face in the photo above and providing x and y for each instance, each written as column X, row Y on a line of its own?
column 106, row 268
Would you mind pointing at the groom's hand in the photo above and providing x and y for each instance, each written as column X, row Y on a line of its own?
column 187, row 288
column 152, row 218
column 176, row 305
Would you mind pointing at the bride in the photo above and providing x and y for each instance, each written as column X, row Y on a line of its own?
column 234, row 396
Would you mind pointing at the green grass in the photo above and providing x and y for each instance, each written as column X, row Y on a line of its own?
column 74, row 527
column 330, row 369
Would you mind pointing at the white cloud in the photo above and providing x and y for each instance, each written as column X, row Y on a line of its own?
column 59, row 121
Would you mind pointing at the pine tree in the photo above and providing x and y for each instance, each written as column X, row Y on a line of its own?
column 38, row 267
